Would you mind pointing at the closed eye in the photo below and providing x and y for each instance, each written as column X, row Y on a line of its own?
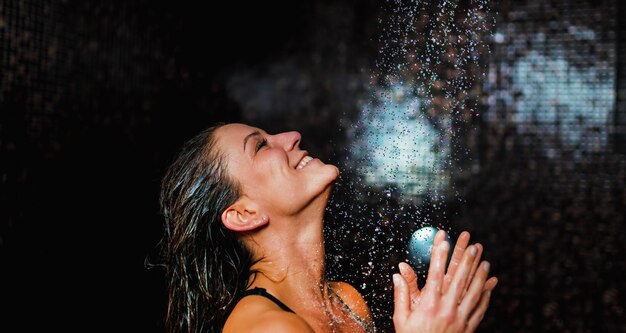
column 260, row 144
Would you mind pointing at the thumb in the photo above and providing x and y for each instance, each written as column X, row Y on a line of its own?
column 401, row 299
column 411, row 279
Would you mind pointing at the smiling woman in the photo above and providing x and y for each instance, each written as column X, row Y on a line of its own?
column 244, row 247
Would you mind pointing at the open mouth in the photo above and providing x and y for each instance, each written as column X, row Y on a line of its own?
column 303, row 162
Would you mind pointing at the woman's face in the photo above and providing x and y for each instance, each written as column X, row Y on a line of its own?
column 272, row 169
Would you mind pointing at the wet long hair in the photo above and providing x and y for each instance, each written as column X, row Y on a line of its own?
column 207, row 266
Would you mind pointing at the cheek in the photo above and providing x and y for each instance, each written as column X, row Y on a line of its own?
column 273, row 166
column 268, row 179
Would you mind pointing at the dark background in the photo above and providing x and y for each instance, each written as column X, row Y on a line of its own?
column 96, row 97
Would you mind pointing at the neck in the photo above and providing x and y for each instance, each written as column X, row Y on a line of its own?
column 292, row 255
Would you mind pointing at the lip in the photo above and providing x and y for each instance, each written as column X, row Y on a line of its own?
column 304, row 154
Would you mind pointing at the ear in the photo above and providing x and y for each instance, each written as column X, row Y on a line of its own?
column 243, row 215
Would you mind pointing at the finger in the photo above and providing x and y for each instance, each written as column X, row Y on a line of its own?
column 479, row 253
column 479, row 313
column 475, row 290
column 411, row 279
column 457, row 255
column 400, row 299
column 462, row 274
column 439, row 237
column 436, row 271
column 459, row 249
column 491, row 283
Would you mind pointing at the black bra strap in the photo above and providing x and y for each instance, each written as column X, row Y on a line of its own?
column 264, row 293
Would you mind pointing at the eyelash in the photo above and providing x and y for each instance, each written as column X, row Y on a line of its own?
column 261, row 144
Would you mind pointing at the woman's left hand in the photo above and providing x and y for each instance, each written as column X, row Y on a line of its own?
column 459, row 249
column 455, row 301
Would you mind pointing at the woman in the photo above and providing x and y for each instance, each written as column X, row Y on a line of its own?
column 244, row 247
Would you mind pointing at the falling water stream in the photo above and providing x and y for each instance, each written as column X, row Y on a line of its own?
column 409, row 146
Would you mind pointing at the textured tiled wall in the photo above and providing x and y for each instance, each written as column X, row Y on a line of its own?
column 95, row 97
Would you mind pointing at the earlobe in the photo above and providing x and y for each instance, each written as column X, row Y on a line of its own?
column 236, row 218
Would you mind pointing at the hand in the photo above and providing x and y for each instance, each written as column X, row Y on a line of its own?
column 461, row 244
column 457, row 255
column 458, row 308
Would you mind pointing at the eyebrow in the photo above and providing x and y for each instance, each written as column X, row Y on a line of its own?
column 245, row 140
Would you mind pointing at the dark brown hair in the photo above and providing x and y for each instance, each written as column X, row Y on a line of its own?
column 207, row 266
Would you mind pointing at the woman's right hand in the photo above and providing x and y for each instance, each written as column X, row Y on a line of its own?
column 453, row 302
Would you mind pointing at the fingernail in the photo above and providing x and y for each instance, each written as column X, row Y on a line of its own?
column 486, row 266
column 440, row 234
column 444, row 245
column 396, row 279
column 402, row 268
column 472, row 250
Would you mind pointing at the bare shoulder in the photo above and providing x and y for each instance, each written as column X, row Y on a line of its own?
column 353, row 299
column 256, row 314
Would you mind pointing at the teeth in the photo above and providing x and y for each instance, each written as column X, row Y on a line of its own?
column 304, row 161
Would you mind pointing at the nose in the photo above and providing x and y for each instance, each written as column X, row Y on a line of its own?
column 290, row 140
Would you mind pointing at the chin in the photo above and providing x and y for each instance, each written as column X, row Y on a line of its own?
column 328, row 190
column 334, row 174
column 325, row 185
